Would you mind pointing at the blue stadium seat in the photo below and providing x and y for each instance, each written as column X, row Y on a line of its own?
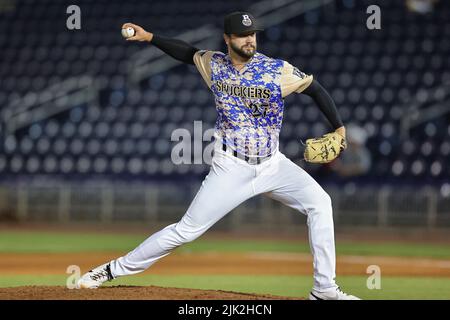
column 372, row 75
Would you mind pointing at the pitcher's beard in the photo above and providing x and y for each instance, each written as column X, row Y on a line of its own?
column 242, row 53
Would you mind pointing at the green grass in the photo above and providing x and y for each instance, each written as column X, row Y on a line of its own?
column 342, row 248
column 295, row 286
column 52, row 242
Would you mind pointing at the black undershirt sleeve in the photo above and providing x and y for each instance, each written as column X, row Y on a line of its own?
column 175, row 48
column 324, row 102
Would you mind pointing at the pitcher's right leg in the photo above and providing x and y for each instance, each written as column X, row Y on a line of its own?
column 226, row 186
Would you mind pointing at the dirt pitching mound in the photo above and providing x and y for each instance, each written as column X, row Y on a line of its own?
column 127, row 293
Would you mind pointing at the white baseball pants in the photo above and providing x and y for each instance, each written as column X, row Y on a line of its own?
column 230, row 182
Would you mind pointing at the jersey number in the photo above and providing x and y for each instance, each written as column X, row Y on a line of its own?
column 259, row 109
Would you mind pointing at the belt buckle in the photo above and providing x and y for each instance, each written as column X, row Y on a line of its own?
column 252, row 161
column 249, row 160
column 258, row 160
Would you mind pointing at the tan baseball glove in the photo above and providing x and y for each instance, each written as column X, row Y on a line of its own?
column 324, row 149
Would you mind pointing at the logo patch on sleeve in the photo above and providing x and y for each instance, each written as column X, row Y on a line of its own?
column 298, row 73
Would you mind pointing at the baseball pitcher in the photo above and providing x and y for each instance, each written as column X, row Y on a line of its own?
column 249, row 89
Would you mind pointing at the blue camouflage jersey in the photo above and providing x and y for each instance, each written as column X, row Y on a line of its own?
column 249, row 101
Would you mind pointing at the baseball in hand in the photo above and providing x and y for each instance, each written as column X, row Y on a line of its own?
column 128, row 32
